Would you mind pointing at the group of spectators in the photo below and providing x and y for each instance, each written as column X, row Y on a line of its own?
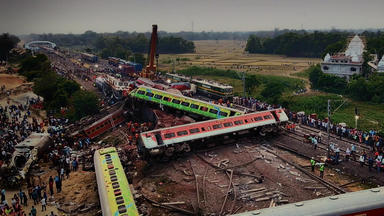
column 253, row 104
column 16, row 124
column 374, row 158
column 369, row 138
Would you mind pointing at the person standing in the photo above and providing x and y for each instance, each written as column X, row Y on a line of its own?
column 25, row 202
column 43, row 204
column 370, row 163
column 361, row 160
column 51, row 185
column 33, row 211
column 313, row 162
column 321, row 170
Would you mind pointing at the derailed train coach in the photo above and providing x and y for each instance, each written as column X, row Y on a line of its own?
column 361, row 203
column 180, row 139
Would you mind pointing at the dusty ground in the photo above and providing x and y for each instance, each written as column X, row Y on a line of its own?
column 228, row 54
column 11, row 81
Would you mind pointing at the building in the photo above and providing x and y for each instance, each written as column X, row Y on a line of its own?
column 380, row 65
column 345, row 64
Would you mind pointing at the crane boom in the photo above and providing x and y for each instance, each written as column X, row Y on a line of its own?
column 150, row 69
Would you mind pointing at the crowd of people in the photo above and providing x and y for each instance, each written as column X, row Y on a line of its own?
column 374, row 159
column 16, row 124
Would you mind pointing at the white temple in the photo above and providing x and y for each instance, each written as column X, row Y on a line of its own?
column 380, row 65
column 345, row 64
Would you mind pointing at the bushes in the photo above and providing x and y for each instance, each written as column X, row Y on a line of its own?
column 359, row 88
column 326, row 82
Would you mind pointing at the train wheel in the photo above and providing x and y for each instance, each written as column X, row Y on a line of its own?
column 186, row 147
column 169, row 151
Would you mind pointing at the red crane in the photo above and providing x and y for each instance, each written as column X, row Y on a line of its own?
column 150, row 69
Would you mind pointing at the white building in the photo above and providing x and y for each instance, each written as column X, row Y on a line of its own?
column 380, row 65
column 345, row 64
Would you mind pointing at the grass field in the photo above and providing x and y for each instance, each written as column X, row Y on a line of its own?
column 228, row 54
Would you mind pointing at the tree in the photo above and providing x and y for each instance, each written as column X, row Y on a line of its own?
column 84, row 103
column 251, row 82
column 254, row 44
column 272, row 92
column 7, row 42
column 137, row 58
column 366, row 69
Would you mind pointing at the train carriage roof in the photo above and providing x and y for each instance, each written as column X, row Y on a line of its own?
column 188, row 98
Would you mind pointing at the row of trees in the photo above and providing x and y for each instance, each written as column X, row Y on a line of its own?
column 360, row 88
column 299, row 44
column 119, row 44
column 58, row 92
column 375, row 42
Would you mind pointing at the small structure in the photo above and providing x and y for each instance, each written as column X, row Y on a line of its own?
column 345, row 64
column 380, row 65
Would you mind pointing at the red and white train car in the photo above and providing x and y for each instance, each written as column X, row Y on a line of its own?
column 177, row 139
column 102, row 125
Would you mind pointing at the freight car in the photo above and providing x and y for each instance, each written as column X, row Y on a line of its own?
column 102, row 125
column 115, row 195
column 185, row 104
column 179, row 139
column 362, row 203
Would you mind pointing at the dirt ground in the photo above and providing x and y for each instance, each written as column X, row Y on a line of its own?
column 175, row 182
column 11, row 81
column 229, row 54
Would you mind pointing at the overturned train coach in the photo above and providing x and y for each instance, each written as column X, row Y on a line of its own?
column 361, row 203
column 179, row 139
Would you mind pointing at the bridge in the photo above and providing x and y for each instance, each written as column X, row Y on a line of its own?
column 34, row 45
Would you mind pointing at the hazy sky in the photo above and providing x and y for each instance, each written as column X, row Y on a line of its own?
column 77, row 16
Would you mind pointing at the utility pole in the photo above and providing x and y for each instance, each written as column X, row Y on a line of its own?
column 328, row 126
column 243, row 78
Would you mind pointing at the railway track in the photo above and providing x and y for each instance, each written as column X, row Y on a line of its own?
column 333, row 136
column 336, row 189
column 320, row 145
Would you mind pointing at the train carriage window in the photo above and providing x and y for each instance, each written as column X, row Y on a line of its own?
column 149, row 94
column 213, row 111
column 122, row 209
column 166, row 98
column 194, row 106
column 175, row 101
column 239, row 122
column 194, row 130
column 182, row 133
column 203, row 108
column 119, row 200
column 217, row 126
column 228, row 124
column 246, row 120
column 202, row 129
column 258, row 118
column 158, row 96
column 223, row 114
column 267, row 117
column 141, row 92
column 169, row 135
column 185, row 103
